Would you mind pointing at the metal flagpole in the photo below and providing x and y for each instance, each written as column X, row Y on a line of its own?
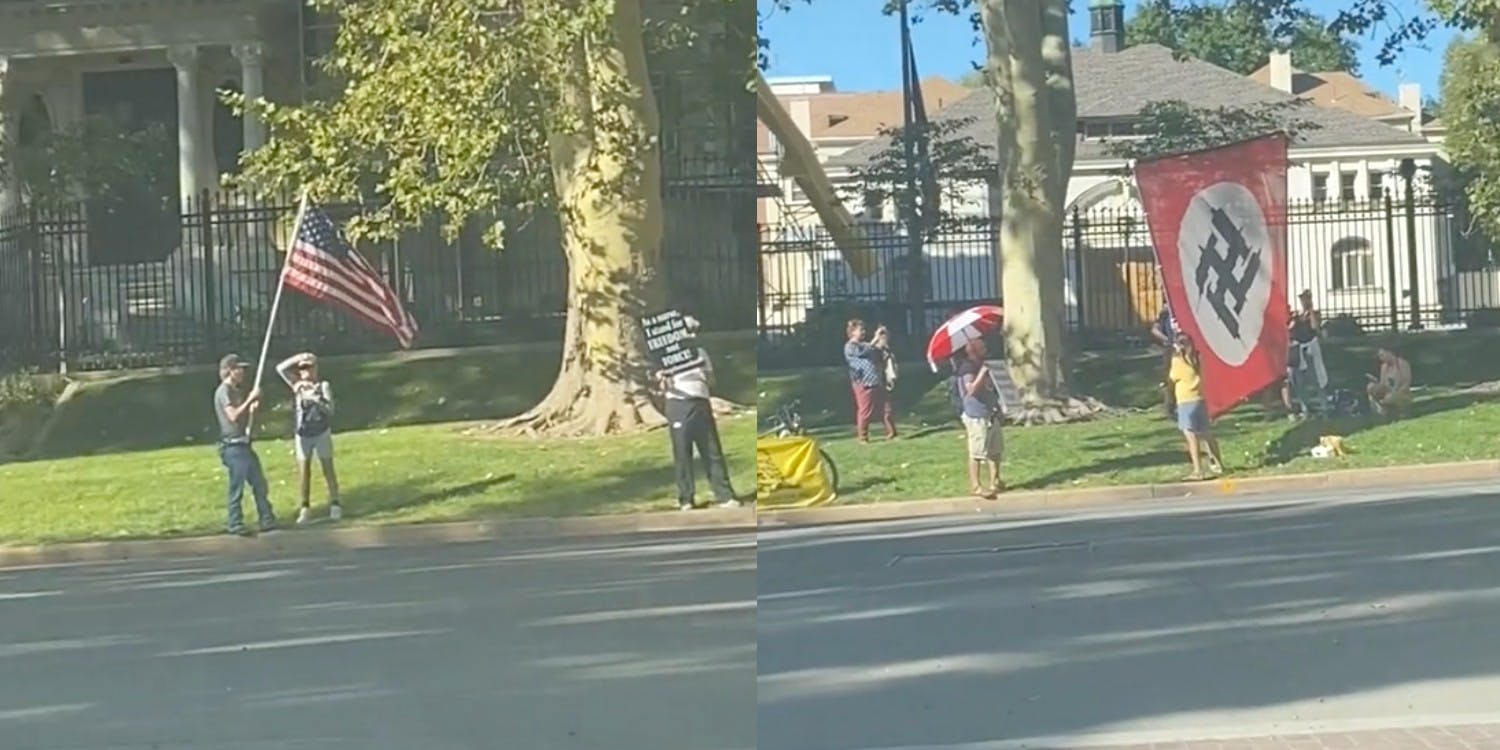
column 914, row 286
column 265, row 347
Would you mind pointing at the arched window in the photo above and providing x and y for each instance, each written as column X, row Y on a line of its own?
column 36, row 122
column 1353, row 264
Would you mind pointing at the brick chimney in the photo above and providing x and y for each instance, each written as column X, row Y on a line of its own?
column 1107, row 25
column 1281, row 71
column 1409, row 96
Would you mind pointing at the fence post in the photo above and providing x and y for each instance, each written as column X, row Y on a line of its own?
column 210, row 274
column 1077, row 266
column 1390, row 260
column 33, row 252
column 1409, row 171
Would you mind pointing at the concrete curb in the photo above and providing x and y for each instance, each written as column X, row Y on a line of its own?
column 1099, row 497
column 368, row 536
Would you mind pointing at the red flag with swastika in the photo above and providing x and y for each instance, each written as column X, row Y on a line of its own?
column 1218, row 224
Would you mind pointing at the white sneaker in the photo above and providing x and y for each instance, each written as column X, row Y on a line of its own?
column 731, row 504
column 304, row 514
column 335, row 512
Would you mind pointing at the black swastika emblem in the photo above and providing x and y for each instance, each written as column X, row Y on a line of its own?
column 1220, row 278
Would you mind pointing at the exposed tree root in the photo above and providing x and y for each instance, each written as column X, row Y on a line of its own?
column 1060, row 411
column 573, row 409
column 581, row 405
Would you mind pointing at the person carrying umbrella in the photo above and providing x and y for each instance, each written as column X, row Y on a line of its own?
column 982, row 414
column 960, row 341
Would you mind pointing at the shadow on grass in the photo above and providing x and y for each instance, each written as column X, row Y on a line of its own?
column 173, row 410
column 374, row 500
column 1151, row 459
column 1128, row 378
column 1302, row 437
column 522, row 498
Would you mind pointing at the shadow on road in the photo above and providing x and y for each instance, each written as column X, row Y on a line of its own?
column 645, row 641
column 934, row 635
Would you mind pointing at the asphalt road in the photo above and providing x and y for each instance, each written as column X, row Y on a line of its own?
column 1357, row 621
column 646, row 642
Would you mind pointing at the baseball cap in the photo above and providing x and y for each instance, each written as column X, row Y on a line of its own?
column 232, row 362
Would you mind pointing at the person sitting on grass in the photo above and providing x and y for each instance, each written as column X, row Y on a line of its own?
column 1186, row 375
column 982, row 413
column 1390, row 392
column 313, row 410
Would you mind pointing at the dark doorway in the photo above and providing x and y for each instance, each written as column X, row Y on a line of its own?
column 137, row 221
column 229, row 132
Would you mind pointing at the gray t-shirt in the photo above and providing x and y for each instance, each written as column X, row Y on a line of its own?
column 985, row 403
column 224, row 397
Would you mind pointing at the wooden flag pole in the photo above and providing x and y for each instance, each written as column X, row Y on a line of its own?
column 265, row 346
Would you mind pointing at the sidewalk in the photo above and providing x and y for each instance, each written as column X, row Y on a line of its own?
column 303, row 540
column 1421, row 476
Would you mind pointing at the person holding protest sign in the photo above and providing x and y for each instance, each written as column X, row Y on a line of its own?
column 690, row 417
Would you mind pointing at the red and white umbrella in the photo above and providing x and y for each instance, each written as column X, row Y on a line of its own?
column 971, row 324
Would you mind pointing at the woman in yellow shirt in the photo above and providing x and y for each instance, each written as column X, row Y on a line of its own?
column 1186, row 375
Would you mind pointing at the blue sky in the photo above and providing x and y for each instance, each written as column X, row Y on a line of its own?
column 851, row 41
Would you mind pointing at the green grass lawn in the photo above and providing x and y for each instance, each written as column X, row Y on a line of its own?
column 1450, row 422
column 132, row 456
column 417, row 473
column 151, row 410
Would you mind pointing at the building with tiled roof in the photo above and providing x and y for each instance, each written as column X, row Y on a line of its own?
column 1349, row 161
column 834, row 121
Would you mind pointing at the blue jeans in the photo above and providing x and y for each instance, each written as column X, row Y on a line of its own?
column 244, row 467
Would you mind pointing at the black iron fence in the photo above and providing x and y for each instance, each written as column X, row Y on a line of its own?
column 1381, row 265
column 83, row 289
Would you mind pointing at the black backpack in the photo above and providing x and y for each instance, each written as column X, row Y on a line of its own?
column 314, row 419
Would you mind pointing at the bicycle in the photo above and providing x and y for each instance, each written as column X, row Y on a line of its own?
column 787, row 422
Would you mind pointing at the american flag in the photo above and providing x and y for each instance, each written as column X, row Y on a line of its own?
column 324, row 267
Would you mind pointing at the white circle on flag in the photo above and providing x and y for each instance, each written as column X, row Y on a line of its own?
column 1224, row 248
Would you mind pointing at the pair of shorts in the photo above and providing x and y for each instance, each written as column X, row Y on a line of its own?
column 1193, row 417
column 320, row 445
column 986, row 441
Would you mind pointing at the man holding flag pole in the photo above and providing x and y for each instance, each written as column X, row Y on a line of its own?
column 322, row 265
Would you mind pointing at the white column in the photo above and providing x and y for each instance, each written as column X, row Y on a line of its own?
column 190, row 131
column 253, row 84
column 10, row 125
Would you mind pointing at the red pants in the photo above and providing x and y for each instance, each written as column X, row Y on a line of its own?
column 867, row 402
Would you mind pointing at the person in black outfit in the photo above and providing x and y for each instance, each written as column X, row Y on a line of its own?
column 690, row 417
column 1305, row 358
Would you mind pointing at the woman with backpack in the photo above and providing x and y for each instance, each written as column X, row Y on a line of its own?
column 313, row 414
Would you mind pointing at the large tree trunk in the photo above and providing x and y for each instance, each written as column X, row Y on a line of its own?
column 607, row 171
column 1030, row 71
